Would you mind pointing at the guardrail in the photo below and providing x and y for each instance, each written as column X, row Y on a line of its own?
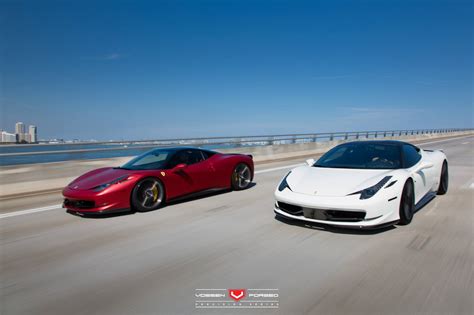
column 227, row 142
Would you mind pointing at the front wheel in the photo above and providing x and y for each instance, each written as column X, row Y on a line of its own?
column 407, row 204
column 444, row 180
column 147, row 195
column 241, row 177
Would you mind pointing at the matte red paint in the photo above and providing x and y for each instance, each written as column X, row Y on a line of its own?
column 213, row 173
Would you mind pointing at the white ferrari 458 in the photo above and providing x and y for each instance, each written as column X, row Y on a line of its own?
column 363, row 184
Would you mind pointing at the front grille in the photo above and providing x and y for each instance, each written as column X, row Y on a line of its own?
column 79, row 204
column 322, row 214
column 333, row 215
column 291, row 209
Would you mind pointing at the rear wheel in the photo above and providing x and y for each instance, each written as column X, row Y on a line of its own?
column 444, row 179
column 407, row 204
column 241, row 177
column 147, row 195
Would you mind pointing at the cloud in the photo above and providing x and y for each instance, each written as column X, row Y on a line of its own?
column 113, row 56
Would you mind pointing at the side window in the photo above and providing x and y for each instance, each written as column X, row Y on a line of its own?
column 410, row 155
column 205, row 155
column 179, row 157
column 195, row 156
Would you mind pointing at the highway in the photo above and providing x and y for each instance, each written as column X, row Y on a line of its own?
column 53, row 262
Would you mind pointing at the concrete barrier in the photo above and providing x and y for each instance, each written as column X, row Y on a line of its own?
column 21, row 180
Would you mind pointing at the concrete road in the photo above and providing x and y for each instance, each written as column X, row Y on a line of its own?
column 151, row 263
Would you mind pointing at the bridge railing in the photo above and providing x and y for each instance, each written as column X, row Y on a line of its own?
column 210, row 142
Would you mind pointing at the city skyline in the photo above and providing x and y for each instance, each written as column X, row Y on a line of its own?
column 182, row 69
column 21, row 135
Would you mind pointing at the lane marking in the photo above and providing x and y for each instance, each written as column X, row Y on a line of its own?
column 471, row 186
column 22, row 212
column 277, row 168
column 467, row 142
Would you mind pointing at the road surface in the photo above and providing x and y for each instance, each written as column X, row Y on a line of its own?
column 53, row 262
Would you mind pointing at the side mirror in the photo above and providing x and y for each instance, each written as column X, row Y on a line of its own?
column 423, row 166
column 310, row 162
column 179, row 168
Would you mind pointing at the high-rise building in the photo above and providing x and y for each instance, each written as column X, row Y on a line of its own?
column 19, row 128
column 20, row 132
column 33, row 131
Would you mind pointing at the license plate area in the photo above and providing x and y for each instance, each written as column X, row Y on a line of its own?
column 315, row 214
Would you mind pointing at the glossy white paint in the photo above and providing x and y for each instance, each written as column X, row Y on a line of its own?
column 333, row 188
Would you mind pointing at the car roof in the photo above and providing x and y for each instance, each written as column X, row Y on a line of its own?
column 179, row 148
column 380, row 142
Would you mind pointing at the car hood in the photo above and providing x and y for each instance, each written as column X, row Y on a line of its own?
column 97, row 177
column 333, row 182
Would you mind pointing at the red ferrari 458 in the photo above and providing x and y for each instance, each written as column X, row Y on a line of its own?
column 149, row 180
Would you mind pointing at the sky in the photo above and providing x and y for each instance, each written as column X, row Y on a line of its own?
column 165, row 69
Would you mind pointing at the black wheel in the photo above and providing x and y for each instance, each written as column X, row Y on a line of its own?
column 241, row 177
column 407, row 204
column 444, row 179
column 147, row 195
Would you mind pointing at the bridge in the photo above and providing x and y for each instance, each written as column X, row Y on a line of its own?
column 53, row 262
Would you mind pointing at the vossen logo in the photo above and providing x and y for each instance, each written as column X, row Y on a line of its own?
column 209, row 295
column 236, row 298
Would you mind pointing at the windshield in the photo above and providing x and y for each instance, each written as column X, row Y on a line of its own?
column 362, row 156
column 156, row 159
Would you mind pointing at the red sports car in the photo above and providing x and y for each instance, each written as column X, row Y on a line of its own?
column 164, row 174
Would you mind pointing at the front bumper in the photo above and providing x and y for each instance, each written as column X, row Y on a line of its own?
column 90, row 202
column 346, row 211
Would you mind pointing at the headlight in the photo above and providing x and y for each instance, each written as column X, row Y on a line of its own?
column 284, row 183
column 115, row 181
column 371, row 191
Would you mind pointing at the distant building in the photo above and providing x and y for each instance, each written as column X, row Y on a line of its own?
column 20, row 132
column 22, row 137
column 33, row 131
column 8, row 137
column 19, row 128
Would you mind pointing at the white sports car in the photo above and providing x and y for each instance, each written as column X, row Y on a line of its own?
column 363, row 184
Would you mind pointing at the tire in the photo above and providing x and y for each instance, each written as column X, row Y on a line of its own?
column 241, row 177
column 444, row 179
column 148, row 194
column 407, row 203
